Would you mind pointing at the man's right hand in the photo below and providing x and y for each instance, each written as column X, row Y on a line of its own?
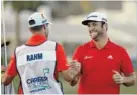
column 75, row 69
column 72, row 73
column 76, row 65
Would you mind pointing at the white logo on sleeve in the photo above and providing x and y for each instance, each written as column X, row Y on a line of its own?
column 87, row 57
column 110, row 57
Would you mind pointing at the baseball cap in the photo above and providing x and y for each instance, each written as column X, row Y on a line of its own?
column 95, row 16
column 37, row 19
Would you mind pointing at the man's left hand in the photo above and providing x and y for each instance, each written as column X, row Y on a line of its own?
column 3, row 68
column 118, row 78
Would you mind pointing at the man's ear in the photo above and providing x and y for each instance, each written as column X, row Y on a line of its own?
column 30, row 29
column 106, row 26
column 44, row 26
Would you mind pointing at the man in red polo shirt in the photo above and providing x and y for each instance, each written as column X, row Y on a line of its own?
column 39, row 61
column 104, row 64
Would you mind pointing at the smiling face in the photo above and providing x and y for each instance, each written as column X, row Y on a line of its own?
column 96, row 29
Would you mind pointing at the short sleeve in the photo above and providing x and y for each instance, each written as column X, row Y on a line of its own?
column 61, row 59
column 126, row 65
column 77, row 54
column 12, row 71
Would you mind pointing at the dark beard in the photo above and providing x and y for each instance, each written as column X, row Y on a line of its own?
column 98, row 36
column 96, row 39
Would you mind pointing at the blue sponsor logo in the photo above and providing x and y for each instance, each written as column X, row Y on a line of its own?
column 37, row 79
column 37, row 84
column 32, row 57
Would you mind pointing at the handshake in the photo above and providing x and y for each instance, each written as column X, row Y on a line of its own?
column 74, row 72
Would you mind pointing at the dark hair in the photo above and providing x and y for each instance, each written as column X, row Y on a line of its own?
column 36, row 28
column 102, row 23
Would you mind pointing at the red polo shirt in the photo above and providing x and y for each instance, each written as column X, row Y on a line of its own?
column 97, row 66
column 36, row 40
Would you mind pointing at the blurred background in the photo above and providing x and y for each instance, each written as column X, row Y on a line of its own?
column 66, row 27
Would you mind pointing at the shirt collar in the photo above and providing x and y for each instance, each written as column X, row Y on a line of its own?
column 108, row 45
column 36, row 39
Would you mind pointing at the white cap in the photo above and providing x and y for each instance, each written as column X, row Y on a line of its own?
column 37, row 19
column 95, row 16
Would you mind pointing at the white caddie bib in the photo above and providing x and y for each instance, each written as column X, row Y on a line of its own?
column 36, row 65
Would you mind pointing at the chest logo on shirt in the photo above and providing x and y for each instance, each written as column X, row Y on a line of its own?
column 87, row 57
column 110, row 57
